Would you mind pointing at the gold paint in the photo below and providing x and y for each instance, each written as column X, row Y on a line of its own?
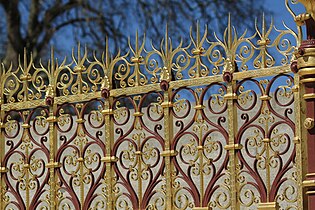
column 200, row 147
column 138, row 153
column 307, row 70
column 50, row 91
column 265, row 98
column 107, row 112
column 80, row 120
column 308, row 183
column 79, row 69
column 266, row 140
column 135, row 75
column 295, row 88
column 268, row 206
column 296, row 140
column 307, row 80
column 52, row 119
column 53, row 165
column 168, row 153
column 229, row 96
column 300, row 145
column 26, row 166
column 137, row 60
column 198, row 51
column 108, row 159
column 233, row 147
column 310, row 174
column 167, row 104
column 147, row 88
column 309, row 96
column 26, row 126
column 310, row 7
column 310, row 192
column 309, row 123
column 199, row 107
column 3, row 170
column 25, row 77
column 138, row 114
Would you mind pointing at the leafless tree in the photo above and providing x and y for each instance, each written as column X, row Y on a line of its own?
column 37, row 24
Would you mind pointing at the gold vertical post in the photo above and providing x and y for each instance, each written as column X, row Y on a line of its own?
column 52, row 120
column 167, row 153
column 2, row 190
column 109, row 159
column 2, row 152
column 166, row 77
column 299, row 110
column 229, row 69
column 232, row 129
column 52, row 165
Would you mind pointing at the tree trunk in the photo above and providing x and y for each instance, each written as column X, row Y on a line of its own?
column 11, row 56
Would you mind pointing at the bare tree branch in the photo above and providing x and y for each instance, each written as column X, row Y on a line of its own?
column 93, row 20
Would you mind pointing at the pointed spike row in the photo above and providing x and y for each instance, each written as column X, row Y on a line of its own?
column 229, row 43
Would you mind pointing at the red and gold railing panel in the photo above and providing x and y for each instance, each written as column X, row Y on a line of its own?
column 214, row 123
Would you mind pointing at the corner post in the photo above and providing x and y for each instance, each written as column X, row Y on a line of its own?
column 305, row 67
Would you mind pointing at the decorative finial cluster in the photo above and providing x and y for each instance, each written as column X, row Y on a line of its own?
column 204, row 56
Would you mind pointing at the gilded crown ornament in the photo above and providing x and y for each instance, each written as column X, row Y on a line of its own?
column 307, row 18
column 309, row 6
column 50, row 94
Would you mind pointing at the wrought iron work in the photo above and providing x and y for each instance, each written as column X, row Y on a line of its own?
column 214, row 124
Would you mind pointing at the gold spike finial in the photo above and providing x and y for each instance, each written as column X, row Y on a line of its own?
column 166, row 37
column 137, row 40
column 230, row 38
column 25, row 58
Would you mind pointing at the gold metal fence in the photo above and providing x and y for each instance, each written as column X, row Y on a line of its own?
column 214, row 124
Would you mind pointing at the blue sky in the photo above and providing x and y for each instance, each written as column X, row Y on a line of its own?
column 280, row 12
column 277, row 7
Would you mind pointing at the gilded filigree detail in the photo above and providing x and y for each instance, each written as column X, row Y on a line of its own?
column 204, row 136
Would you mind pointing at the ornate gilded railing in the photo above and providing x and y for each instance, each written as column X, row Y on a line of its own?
column 213, row 123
